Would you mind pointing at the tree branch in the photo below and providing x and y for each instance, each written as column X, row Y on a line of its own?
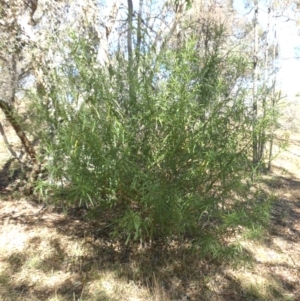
column 8, row 111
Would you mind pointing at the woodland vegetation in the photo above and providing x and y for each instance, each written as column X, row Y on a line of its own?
column 144, row 163
column 156, row 117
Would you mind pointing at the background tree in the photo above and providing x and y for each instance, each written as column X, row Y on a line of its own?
column 15, row 65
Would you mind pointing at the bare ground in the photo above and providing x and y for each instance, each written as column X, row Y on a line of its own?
column 46, row 254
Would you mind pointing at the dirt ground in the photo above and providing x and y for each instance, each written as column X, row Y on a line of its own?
column 47, row 254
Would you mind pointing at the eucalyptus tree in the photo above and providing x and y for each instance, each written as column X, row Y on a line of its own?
column 16, row 66
column 265, row 55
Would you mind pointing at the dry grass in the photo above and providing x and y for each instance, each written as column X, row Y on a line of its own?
column 47, row 255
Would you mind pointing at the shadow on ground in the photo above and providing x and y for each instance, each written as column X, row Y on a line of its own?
column 48, row 254
column 11, row 174
column 170, row 269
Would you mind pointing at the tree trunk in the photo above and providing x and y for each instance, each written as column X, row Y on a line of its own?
column 13, row 153
column 262, row 134
column 255, row 77
column 8, row 111
column 131, row 75
column 273, row 102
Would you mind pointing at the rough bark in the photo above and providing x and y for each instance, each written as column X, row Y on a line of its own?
column 9, row 114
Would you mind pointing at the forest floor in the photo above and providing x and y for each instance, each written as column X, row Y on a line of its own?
column 47, row 254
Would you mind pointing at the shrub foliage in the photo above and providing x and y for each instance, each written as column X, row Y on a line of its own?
column 169, row 159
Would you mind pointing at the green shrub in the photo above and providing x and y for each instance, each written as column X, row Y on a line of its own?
column 168, row 160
